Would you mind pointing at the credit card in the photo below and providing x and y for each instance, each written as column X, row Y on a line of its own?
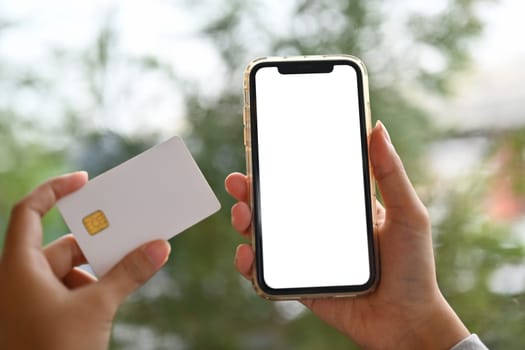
column 155, row 195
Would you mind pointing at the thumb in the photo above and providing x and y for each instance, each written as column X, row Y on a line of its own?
column 134, row 270
column 400, row 199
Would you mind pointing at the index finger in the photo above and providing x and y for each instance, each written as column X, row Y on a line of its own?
column 237, row 186
column 25, row 228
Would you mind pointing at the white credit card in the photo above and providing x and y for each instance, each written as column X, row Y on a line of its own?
column 155, row 195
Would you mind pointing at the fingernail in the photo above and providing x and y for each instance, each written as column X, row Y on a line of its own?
column 384, row 131
column 157, row 252
column 236, row 255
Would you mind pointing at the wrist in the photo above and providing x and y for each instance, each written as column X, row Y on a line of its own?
column 440, row 330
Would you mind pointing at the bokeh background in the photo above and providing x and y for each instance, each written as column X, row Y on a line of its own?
column 88, row 84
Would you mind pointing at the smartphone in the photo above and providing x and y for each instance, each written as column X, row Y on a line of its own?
column 306, row 129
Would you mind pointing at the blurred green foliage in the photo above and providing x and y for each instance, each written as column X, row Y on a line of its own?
column 24, row 163
column 199, row 301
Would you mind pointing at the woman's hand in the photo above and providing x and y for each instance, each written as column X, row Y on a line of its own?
column 48, row 303
column 407, row 310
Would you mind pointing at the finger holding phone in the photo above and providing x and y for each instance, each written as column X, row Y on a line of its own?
column 404, row 309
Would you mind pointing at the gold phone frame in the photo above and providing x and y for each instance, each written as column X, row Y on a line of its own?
column 249, row 170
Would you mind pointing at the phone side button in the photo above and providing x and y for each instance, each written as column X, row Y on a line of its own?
column 246, row 115
column 246, row 97
column 247, row 136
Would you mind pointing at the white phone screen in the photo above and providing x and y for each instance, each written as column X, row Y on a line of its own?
column 311, row 184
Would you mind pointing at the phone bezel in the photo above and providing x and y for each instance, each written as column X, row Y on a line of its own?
column 316, row 64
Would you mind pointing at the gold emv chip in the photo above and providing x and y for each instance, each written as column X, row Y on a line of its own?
column 95, row 222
